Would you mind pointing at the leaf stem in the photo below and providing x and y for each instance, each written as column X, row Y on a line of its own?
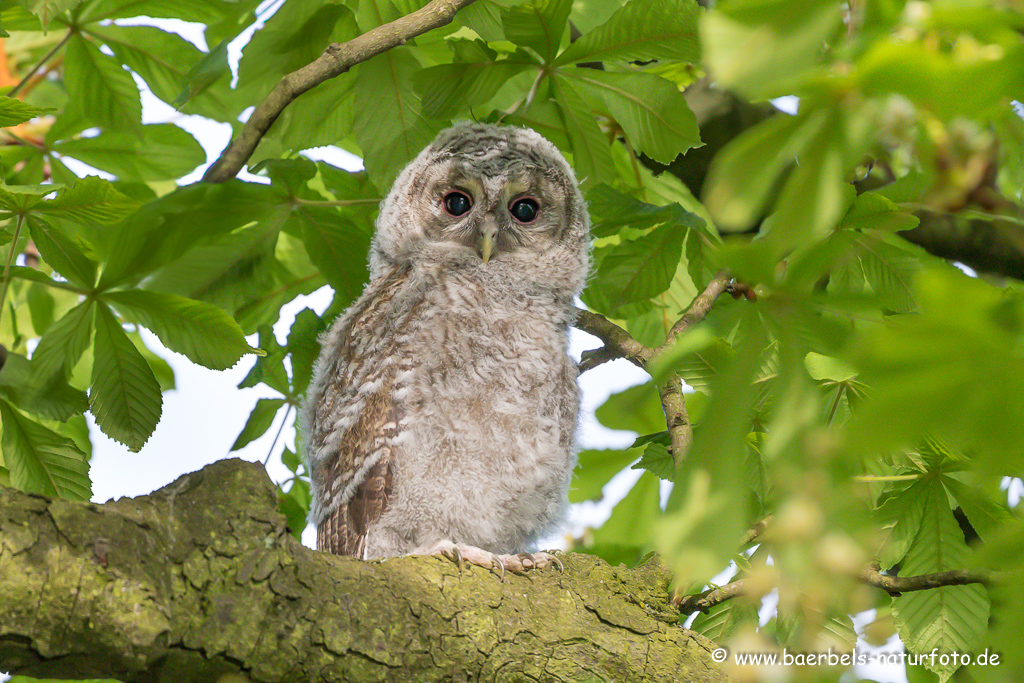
column 42, row 62
column 835, row 405
column 277, row 436
column 10, row 259
column 891, row 477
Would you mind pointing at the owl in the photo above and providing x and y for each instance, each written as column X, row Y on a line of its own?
column 442, row 413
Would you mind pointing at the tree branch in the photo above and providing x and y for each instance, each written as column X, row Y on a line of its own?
column 673, row 402
column 617, row 342
column 700, row 307
column 336, row 60
column 989, row 246
column 202, row 578
column 895, row 585
column 702, row 602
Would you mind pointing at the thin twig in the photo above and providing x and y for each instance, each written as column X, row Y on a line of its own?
column 895, row 585
column 673, row 402
column 42, row 62
column 10, row 259
column 700, row 307
column 616, row 340
column 336, row 60
column 277, row 436
column 754, row 532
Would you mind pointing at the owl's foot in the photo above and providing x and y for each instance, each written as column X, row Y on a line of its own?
column 517, row 564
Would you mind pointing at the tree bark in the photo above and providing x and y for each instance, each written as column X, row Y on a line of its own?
column 202, row 579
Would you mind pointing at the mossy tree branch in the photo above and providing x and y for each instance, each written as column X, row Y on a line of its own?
column 202, row 579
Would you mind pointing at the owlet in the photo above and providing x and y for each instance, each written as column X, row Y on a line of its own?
column 442, row 413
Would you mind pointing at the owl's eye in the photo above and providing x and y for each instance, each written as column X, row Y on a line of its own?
column 457, row 203
column 524, row 210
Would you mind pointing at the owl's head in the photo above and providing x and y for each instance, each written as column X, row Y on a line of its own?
column 484, row 196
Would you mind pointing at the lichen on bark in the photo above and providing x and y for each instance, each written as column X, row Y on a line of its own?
column 202, row 579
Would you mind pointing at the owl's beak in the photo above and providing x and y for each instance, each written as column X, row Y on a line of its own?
column 488, row 235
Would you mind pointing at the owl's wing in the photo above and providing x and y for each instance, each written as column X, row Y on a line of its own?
column 343, row 530
column 355, row 421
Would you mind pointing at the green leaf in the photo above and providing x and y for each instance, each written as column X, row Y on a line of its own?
column 40, row 460
column 948, row 618
column 168, row 64
column 965, row 335
column 54, row 400
column 826, row 368
column 473, row 79
column 89, row 200
column 268, row 368
column 744, row 175
column 658, row 461
column 336, row 246
column 47, row 10
column 259, row 421
column 636, row 409
column 721, row 621
column 159, row 151
column 697, row 356
column 634, row 271
column 164, row 230
column 634, row 516
column 538, row 24
column 901, row 510
column 63, row 343
column 746, row 44
column 651, row 110
column 303, row 347
column 872, row 211
column 590, row 155
column 390, row 125
column 100, row 89
column 296, row 34
column 64, row 253
column 641, row 31
column 203, row 74
column 125, row 397
column 295, row 506
column 890, row 268
column 205, row 334
column 594, row 469
column 13, row 111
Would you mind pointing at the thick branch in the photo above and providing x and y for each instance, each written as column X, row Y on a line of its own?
column 989, row 246
column 202, row 578
column 336, row 60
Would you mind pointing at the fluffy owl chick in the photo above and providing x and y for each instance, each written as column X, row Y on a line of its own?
column 442, row 412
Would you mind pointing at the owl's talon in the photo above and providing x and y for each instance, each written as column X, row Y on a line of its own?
column 558, row 563
column 527, row 557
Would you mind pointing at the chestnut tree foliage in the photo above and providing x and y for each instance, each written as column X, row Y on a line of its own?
column 851, row 413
